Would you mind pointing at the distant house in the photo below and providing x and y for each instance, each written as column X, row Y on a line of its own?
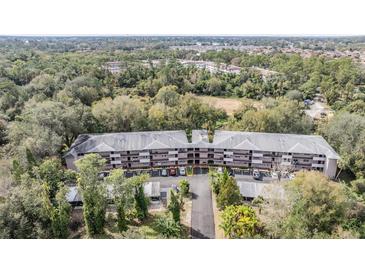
column 113, row 67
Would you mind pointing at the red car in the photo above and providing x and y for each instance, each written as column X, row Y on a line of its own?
column 172, row 171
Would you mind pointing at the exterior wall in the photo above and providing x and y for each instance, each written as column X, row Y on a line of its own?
column 70, row 162
column 330, row 168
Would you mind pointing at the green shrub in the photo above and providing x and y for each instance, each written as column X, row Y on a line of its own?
column 167, row 227
column 239, row 222
column 184, row 187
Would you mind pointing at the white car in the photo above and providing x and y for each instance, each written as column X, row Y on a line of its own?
column 220, row 170
column 182, row 171
column 164, row 172
column 257, row 175
column 274, row 175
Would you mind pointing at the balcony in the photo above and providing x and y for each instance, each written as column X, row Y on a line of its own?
column 144, row 154
column 115, row 162
column 115, row 155
column 173, row 159
column 316, row 158
column 159, row 157
column 318, row 165
column 145, row 160
column 173, row 152
column 257, row 155
column 255, row 161
column 183, row 155
column 228, row 159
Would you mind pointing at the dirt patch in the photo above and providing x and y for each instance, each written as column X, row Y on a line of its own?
column 229, row 105
column 185, row 217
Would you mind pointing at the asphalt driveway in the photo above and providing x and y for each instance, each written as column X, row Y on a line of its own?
column 202, row 219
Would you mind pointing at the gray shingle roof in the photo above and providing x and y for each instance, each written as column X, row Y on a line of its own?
column 274, row 142
column 129, row 141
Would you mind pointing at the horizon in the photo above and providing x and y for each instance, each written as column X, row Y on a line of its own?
column 188, row 35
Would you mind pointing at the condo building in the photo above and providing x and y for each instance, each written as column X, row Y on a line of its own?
column 233, row 149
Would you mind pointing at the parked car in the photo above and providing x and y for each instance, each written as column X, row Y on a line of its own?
column 172, row 171
column 220, row 170
column 274, row 175
column 164, row 172
column 182, row 171
column 257, row 175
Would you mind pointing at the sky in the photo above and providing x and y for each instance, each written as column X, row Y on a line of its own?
column 182, row 17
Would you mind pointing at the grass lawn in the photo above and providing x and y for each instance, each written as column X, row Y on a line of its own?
column 136, row 230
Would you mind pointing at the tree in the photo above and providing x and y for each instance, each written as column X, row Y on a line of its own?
column 174, row 205
column 229, row 192
column 225, row 188
column 54, row 175
column 93, row 192
column 283, row 116
column 120, row 114
column 52, row 217
column 3, row 132
column 294, row 95
column 45, row 127
column 42, row 84
column 59, row 211
column 184, row 187
column 23, row 215
column 168, row 95
column 239, row 222
column 122, row 195
column 140, row 200
column 346, row 133
column 312, row 207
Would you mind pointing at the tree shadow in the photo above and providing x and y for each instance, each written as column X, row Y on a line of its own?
column 194, row 196
column 198, row 235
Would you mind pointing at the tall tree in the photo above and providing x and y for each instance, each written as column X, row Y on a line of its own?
column 174, row 205
column 122, row 195
column 93, row 191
